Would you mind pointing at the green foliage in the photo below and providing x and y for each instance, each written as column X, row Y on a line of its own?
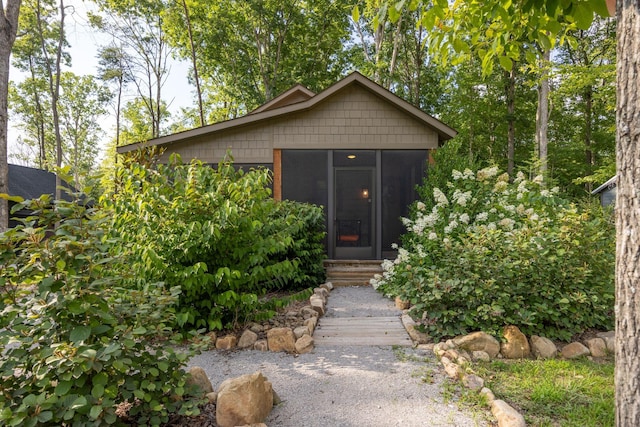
column 76, row 342
column 490, row 253
column 250, row 51
column 217, row 235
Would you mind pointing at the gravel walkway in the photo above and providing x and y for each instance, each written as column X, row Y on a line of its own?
column 348, row 385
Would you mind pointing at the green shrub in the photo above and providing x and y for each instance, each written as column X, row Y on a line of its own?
column 75, row 342
column 490, row 253
column 218, row 235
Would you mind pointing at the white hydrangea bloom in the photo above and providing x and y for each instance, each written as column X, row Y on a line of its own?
column 486, row 173
column 507, row 223
column 538, row 180
column 464, row 218
column 468, row 174
column 520, row 209
column 500, row 186
column 519, row 177
column 431, row 219
column 503, row 178
column 522, row 187
column 491, row 226
column 440, row 197
column 461, row 198
column 510, row 208
column 452, row 226
column 482, row 216
column 421, row 206
column 394, row 246
column 555, row 190
column 456, row 174
column 433, row 236
column 493, row 210
column 545, row 193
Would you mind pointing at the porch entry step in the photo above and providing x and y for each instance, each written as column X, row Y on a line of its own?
column 352, row 272
column 361, row 331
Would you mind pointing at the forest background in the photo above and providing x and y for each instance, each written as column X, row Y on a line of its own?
column 549, row 103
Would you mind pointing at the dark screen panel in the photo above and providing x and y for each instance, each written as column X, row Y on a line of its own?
column 402, row 171
column 304, row 176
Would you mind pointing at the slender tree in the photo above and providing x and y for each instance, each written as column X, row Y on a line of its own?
column 8, row 30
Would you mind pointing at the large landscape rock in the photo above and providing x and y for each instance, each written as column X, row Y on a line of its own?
column 304, row 344
column 198, row 377
column 247, row 339
column 281, row 339
column 609, row 339
column 597, row 347
column 317, row 304
column 479, row 341
column 516, row 344
column 261, row 345
column 543, row 348
column 227, row 342
column 574, row 350
column 506, row 415
column 244, row 400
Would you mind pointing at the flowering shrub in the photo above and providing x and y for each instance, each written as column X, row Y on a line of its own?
column 492, row 253
column 218, row 236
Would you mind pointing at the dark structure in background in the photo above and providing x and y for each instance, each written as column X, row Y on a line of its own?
column 607, row 192
column 28, row 183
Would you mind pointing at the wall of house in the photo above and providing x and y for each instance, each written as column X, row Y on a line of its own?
column 354, row 118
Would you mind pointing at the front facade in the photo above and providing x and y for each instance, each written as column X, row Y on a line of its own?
column 355, row 148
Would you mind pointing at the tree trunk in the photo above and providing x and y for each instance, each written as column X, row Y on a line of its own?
column 511, row 109
column 542, row 114
column 588, row 132
column 194, row 63
column 55, row 94
column 627, row 376
column 8, row 28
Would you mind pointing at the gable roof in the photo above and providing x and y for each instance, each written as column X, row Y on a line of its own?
column 296, row 94
column 611, row 183
column 279, row 107
column 30, row 183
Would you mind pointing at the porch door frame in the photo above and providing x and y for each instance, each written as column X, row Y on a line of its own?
column 376, row 209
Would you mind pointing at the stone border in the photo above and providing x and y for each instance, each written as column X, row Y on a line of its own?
column 456, row 356
column 298, row 340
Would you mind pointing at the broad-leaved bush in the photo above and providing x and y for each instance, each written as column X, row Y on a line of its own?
column 217, row 235
column 77, row 344
column 490, row 253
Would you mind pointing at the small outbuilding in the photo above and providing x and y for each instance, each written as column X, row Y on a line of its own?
column 28, row 183
column 607, row 192
column 355, row 148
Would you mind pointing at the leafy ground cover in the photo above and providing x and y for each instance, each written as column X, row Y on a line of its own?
column 555, row 392
column 92, row 293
